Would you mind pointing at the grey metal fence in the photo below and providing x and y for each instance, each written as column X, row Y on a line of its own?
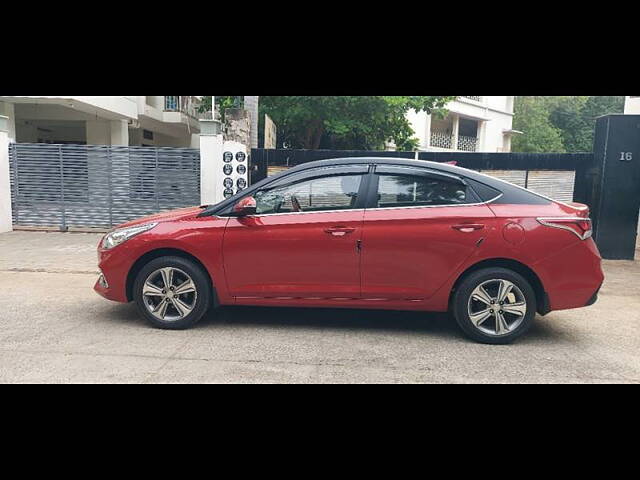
column 99, row 186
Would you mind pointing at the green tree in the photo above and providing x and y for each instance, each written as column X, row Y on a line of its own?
column 595, row 107
column 572, row 117
column 539, row 135
column 565, row 113
column 222, row 103
column 346, row 122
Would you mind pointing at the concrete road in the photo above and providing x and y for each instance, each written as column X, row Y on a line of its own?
column 54, row 328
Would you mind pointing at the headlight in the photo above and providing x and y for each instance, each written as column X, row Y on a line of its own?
column 122, row 235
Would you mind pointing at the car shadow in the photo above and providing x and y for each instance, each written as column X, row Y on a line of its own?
column 436, row 324
column 335, row 318
column 125, row 313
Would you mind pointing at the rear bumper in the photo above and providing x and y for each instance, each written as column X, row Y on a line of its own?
column 572, row 277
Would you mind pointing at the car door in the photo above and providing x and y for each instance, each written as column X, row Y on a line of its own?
column 422, row 225
column 303, row 241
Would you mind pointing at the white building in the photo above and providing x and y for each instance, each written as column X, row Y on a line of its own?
column 632, row 105
column 103, row 120
column 473, row 124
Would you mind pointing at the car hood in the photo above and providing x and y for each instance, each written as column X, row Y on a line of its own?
column 172, row 215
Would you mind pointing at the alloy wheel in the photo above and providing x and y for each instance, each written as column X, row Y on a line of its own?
column 497, row 307
column 169, row 294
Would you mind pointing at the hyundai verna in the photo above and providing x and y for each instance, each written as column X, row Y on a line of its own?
column 373, row 233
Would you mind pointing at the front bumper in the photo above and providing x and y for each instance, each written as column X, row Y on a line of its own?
column 103, row 288
column 594, row 298
column 114, row 267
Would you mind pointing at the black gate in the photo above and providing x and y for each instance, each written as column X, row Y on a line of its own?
column 559, row 176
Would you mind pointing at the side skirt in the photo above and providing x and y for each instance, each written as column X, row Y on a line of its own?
column 366, row 303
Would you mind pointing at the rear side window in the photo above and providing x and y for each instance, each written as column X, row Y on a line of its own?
column 485, row 192
column 398, row 190
column 507, row 194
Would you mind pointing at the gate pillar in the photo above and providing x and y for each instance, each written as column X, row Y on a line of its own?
column 5, row 183
column 211, row 150
column 613, row 189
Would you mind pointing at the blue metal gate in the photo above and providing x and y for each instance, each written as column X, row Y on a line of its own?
column 99, row 186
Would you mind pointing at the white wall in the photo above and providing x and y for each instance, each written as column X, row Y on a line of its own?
column 98, row 132
column 119, row 132
column 494, row 114
column 632, row 105
column 109, row 119
column 5, row 183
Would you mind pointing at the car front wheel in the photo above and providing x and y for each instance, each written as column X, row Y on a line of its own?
column 494, row 305
column 172, row 292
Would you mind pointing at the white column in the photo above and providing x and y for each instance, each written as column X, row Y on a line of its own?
column 427, row 132
column 211, row 150
column 251, row 104
column 119, row 132
column 456, row 129
column 5, row 183
column 8, row 109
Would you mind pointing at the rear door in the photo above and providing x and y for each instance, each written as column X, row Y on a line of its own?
column 419, row 227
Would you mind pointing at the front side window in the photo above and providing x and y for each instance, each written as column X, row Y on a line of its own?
column 419, row 190
column 338, row 192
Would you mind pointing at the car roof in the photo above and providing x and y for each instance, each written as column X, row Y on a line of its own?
column 443, row 167
column 366, row 160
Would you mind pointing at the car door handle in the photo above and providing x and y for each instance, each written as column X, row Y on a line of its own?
column 339, row 231
column 468, row 227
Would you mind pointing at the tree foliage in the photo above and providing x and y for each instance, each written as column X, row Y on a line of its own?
column 539, row 135
column 571, row 118
column 346, row 122
column 222, row 103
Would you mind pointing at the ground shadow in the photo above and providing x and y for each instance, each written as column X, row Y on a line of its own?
column 439, row 324
column 125, row 313
column 436, row 324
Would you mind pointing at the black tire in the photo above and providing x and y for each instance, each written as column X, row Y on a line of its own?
column 202, row 299
column 461, row 299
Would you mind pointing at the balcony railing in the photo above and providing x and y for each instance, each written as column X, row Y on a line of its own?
column 445, row 140
column 467, row 144
column 186, row 105
column 476, row 99
column 441, row 139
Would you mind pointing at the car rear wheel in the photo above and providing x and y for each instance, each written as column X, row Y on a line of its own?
column 494, row 305
column 172, row 292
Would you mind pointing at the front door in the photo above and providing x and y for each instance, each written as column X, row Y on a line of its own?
column 303, row 242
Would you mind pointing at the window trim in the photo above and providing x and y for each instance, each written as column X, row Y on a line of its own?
column 363, row 169
column 297, row 177
column 372, row 194
column 357, row 206
column 360, row 201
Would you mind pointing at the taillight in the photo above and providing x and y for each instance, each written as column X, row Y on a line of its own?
column 578, row 225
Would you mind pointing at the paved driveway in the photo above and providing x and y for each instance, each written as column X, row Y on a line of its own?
column 54, row 328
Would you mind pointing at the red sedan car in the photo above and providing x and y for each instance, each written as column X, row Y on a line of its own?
column 374, row 233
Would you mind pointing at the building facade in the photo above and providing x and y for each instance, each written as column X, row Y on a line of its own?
column 473, row 124
column 169, row 121
column 632, row 105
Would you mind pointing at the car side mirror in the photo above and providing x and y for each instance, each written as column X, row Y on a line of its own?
column 246, row 206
